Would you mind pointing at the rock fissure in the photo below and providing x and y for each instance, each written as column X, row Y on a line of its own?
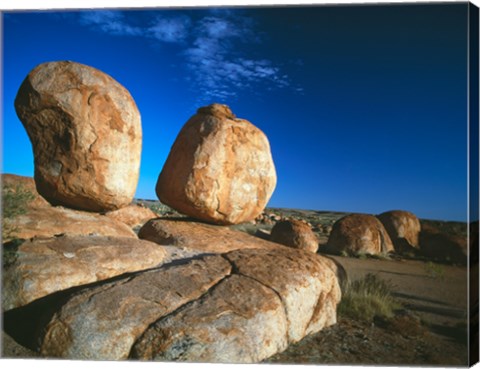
column 176, row 311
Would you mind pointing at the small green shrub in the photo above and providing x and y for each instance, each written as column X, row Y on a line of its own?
column 159, row 208
column 435, row 270
column 366, row 298
column 14, row 203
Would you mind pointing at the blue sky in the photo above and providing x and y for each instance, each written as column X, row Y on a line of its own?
column 365, row 107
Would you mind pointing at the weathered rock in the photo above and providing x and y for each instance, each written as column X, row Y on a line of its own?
column 358, row 234
column 40, row 267
column 219, row 169
column 296, row 234
column 104, row 322
column 86, row 136
column 14, row 182
column 403, row 228
column 306, row 283
column 243, row 306
column 240, row 321
column 200, row 236
column 50, row 221
column 441, row 246
column 132, row 215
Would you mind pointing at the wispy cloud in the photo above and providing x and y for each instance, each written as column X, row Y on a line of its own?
column 212, row 48
column 174, row 29
column 111, row 22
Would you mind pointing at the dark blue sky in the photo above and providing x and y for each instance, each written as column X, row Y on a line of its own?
column 365, row 106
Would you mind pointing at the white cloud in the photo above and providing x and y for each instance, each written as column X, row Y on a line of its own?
column 111, row 22
column 170, row 29
column 211, row 47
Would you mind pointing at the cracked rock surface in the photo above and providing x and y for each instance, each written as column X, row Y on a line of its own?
column 86, row 136
column 220, row 168
column 242, row 306
column 200, row 236
column 41, row 267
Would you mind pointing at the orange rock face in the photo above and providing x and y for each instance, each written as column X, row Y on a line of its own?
column 86, row 135
column 403, row 228
column 220, row 169
column 296, row 234
column 359, row 234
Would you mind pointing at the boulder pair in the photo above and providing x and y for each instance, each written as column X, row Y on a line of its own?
column 86, row 133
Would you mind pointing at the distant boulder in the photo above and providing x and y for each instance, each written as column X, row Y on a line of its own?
column 294, row 233
column 441, row 246
column 86, row 136
column 219, row 170
column 358, row 234
column 403, row 228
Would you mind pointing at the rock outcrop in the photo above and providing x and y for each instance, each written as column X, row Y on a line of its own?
column 200, row 236
column 219, row 170
column 132, row 215
column 358, row 234
column 86, row 136
column 51, row 221
column 40, row 219
column 403, row 227
column 441, row 246
column 242, row 306
column 41, row 267
column 294, row 233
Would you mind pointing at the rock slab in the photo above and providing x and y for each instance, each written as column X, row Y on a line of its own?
column 242, row 306
column 220, row 169
column 200, row 236
column 41, row 267
column 358, row 234
column 86, row 135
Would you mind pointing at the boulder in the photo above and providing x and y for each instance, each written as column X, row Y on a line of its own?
column 242, row 306
column 86, row 136
column 441, row 246
column 200, row 236
column 358, row 234
column 104, row 322
column 219, row 170
column 294, row 233
column 51, row 221
column 132, row 215
column 38, row 268
column 403, row 228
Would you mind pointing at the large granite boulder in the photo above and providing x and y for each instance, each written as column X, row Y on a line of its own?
column 86, row 135
column 403, row 227
column 200, row 236
column 41, row 267
column 294, row 233
column 242, row 306
column 357, row 234
column 219, row 170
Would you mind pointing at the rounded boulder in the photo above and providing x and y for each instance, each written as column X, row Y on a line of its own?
column 219, row 169
column 294, row 233
column 86, row 135
column 403, row 228
column 357, row 234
